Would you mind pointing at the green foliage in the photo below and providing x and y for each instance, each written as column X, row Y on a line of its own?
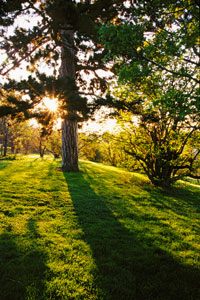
column 89, row 147
column 11, row 104
column 105, row 148
column 156, row 35
column 22, row 138
column 113, row 152
column 157, row 63
column 102, row 233
column 53, row 143
column 161, row 127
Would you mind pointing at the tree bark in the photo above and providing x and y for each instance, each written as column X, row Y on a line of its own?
column 69, row 127
column 41, row 148
column 69, row 146
column 5, row 143
column 5, row 140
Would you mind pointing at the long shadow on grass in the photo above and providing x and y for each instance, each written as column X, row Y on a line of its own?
column 128, row 268
column 4, row 164
column 178, row 199
column 22, row 270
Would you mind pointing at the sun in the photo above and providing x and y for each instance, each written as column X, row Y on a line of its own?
column 51, row 104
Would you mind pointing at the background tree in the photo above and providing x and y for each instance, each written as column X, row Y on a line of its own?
column 22, row 138
column 105, row 148
column 164, row 134
column 90, row 147
column 113, row 152
column 54, row 143
column 4, row 135
column 65, row 30
column 157, row 54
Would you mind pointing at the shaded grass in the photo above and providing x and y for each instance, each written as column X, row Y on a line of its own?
column 102, row 233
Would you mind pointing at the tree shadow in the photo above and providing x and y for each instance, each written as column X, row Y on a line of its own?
column 22, row 266
column 4, row 164
column 128, row 267
column 51, row 168
column 176, row 198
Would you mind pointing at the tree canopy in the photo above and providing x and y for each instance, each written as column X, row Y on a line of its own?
column 157, row 55
column 65, row 34
column 164, row 136
column 156, row 35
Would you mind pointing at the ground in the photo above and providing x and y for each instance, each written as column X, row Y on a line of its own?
column 102, row 233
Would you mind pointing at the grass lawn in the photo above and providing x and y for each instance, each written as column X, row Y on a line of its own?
column 102, row 234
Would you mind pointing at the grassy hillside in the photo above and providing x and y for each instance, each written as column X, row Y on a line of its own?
column 102, row 233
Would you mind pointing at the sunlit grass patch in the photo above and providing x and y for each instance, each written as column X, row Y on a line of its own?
column 102, row 233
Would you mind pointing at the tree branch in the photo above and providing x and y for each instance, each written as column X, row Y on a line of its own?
column 185, row 142
column 193, row 176
column 17, row 63
column 91, row 68
column 171, row 71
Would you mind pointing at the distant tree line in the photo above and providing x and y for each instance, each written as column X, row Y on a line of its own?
column 22, row 138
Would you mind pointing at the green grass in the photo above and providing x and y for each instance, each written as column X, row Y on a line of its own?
column 102, row 234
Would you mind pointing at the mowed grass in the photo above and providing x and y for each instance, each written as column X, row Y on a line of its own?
column 102, row 233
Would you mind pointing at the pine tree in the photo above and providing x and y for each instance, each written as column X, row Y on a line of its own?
column 65, row 30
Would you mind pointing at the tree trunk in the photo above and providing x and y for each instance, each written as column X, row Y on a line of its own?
column 41, row 148
column 69, row 127
column 12, row 148
column 69, row 146
column 5, row 141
